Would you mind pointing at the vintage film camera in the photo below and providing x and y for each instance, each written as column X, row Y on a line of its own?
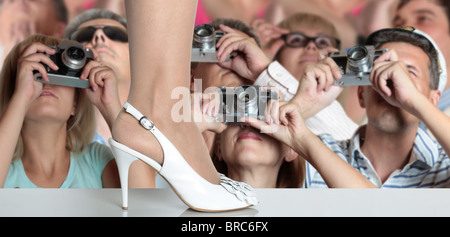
column 71, row 59
column 244, row 101
column 356, row 64
column 204, row 44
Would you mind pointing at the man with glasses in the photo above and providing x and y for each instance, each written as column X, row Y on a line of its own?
column 106, row 33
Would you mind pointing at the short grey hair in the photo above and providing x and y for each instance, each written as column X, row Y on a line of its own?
column 90, row 15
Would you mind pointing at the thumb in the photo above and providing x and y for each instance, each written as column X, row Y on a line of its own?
column 263, row 127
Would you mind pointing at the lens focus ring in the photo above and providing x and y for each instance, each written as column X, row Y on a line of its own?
column 74, row 58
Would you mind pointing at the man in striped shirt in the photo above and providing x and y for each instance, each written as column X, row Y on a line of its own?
column 391, row 150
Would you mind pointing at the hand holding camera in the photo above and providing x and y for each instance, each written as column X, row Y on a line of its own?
column 392, row 79
column 291, row 129
column 103, row 90
column 205, row 107
column 245, row 101
column 230, row 48
column 356, row 64
column 317, row 87
column 32, row 60
column 71, row 58
column 247, row 58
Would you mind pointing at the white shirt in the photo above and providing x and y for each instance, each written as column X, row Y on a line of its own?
column 331, row 120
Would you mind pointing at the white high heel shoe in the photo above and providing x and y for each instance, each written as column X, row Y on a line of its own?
column 191, row 188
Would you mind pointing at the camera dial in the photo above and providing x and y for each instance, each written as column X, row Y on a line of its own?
column 74, row 58
column 247, row 100
column 204, row 36
column 358, row 59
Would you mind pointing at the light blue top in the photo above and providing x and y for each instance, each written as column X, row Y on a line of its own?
column 429, row 165
column 85, row 170
column 98, row 138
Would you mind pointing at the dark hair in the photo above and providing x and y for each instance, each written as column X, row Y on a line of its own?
column 62, row 14
column 384, row 36
column 238, row 25
column 291, row 174
column 445, row 4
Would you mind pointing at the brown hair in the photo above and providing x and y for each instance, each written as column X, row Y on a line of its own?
column 291, row 174
column 309, row 20
column 444, row 4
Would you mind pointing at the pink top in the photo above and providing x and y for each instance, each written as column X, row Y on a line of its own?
column 358, row 9
column 201, row 17
column 88, row 4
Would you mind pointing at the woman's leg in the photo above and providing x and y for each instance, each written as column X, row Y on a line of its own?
column 160, row 34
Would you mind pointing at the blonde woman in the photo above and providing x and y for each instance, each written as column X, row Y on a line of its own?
column 46, row 130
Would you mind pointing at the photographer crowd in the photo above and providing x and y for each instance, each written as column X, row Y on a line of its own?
column 261, row 94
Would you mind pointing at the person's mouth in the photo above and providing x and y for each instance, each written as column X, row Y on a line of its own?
column 249, row 135
column 48, row 93
column 309, row 59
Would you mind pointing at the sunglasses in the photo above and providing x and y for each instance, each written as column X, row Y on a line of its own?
column 299, row 40
column 86, row 34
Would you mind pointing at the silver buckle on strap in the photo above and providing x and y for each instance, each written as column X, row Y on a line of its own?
column 146, row 123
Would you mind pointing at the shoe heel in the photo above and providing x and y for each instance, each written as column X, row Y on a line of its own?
column 191, row 188
column 123, row 160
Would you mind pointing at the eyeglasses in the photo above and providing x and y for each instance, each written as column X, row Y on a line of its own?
column 86, row 34
column 299, row 40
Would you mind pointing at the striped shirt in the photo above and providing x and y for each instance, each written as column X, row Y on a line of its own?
column 444, row 101
column 429, row 165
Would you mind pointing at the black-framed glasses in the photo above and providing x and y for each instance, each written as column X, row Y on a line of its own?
column 114, row 33
column 300, row 40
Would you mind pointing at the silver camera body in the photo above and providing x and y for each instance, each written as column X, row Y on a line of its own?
column 356, row 64
column 244, row 101
column 204, row 44
column 71, row 58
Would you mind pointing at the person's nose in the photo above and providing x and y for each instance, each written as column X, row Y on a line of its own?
column 244, row 125
column 311, row 46
column 99, row 37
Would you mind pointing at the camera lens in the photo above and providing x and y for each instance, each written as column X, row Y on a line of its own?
column 357, row 53
column 247, row 100
column 204, row 37
column 75, row 53
column 74, row 58
column 358, row 59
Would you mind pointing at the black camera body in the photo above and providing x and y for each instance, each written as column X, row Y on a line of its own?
column 356, row 64
column 71, row 58
column 204, row 44
column 244, row 101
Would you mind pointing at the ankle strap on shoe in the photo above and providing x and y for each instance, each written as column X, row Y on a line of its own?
column 144, row 121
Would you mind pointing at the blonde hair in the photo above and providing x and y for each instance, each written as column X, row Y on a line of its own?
column 311, row 21
column 80, row 127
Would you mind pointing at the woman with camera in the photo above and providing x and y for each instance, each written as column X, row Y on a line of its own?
column 46, row 130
